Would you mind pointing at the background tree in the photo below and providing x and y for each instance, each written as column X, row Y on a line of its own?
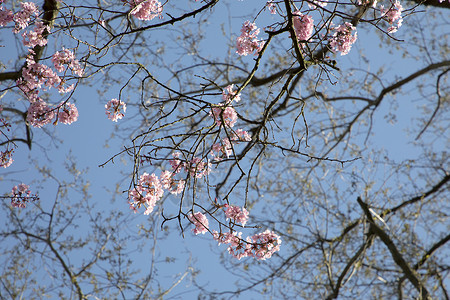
column 296, row 136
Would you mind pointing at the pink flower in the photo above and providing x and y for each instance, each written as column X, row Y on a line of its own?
column 228, row 114
column 260, row 246
column 263, row 245
column 365, row 2
column 225, row 110
column 235, row 214
column 342, row 40
column 34, row 76
column 177, row 187
column 6, row 16
column 394, row 13
column 30, row 93
column 66, row 57
column 225, row 146
column 317, row 3
column 6, row 158
column 148, row 191
column 176, row 163
column 174, row 186
column 200, row 221
column 228, row 95
column 35, row 37
column 68, row 114
column 145, row 9
column 272, row 7
column 65, row 89
column 247, row 42
column 303, row 26
column 39, row 114
column 21, row 195
column 114, row 108
column 23, row 17
column 241, row 135
column 237, row 244
column 216, row 148
column 238, row 248
column 166, row 179
column 197, row 168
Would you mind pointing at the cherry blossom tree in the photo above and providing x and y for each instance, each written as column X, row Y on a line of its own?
column 268, row 137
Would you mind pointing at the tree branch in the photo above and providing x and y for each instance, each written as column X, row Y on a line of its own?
column 410, row 273
column 434, row 3
column 418, row 197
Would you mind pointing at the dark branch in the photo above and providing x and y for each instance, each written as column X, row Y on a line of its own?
column 409, row 272
column 420, row 197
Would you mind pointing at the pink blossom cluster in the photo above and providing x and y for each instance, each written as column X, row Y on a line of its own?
column 225, row 111
column 235, row 242
column 22, row 18
column 36, row 76
column 6, row 16
column 260, row 246
column 316, row 3
column 174, row 186
column 365, row 2
column 176, row 163
column 342, row 39
column 200, row 221
column 40, row 113
column 220, row 148
column 36, row 36
column 196, row 167
column 241, row 136
column 6, row 158
column 228, row 95
column 392, row 15
column 236, row 214
column 68, row 113
column 145, row 9
column 66, row 57
column 248, row 42
column 226, row 146
column 303, row 26
column 150, row 189
column 114, row 109
column 263, row 245
column 271, row 7
column 21, row 195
